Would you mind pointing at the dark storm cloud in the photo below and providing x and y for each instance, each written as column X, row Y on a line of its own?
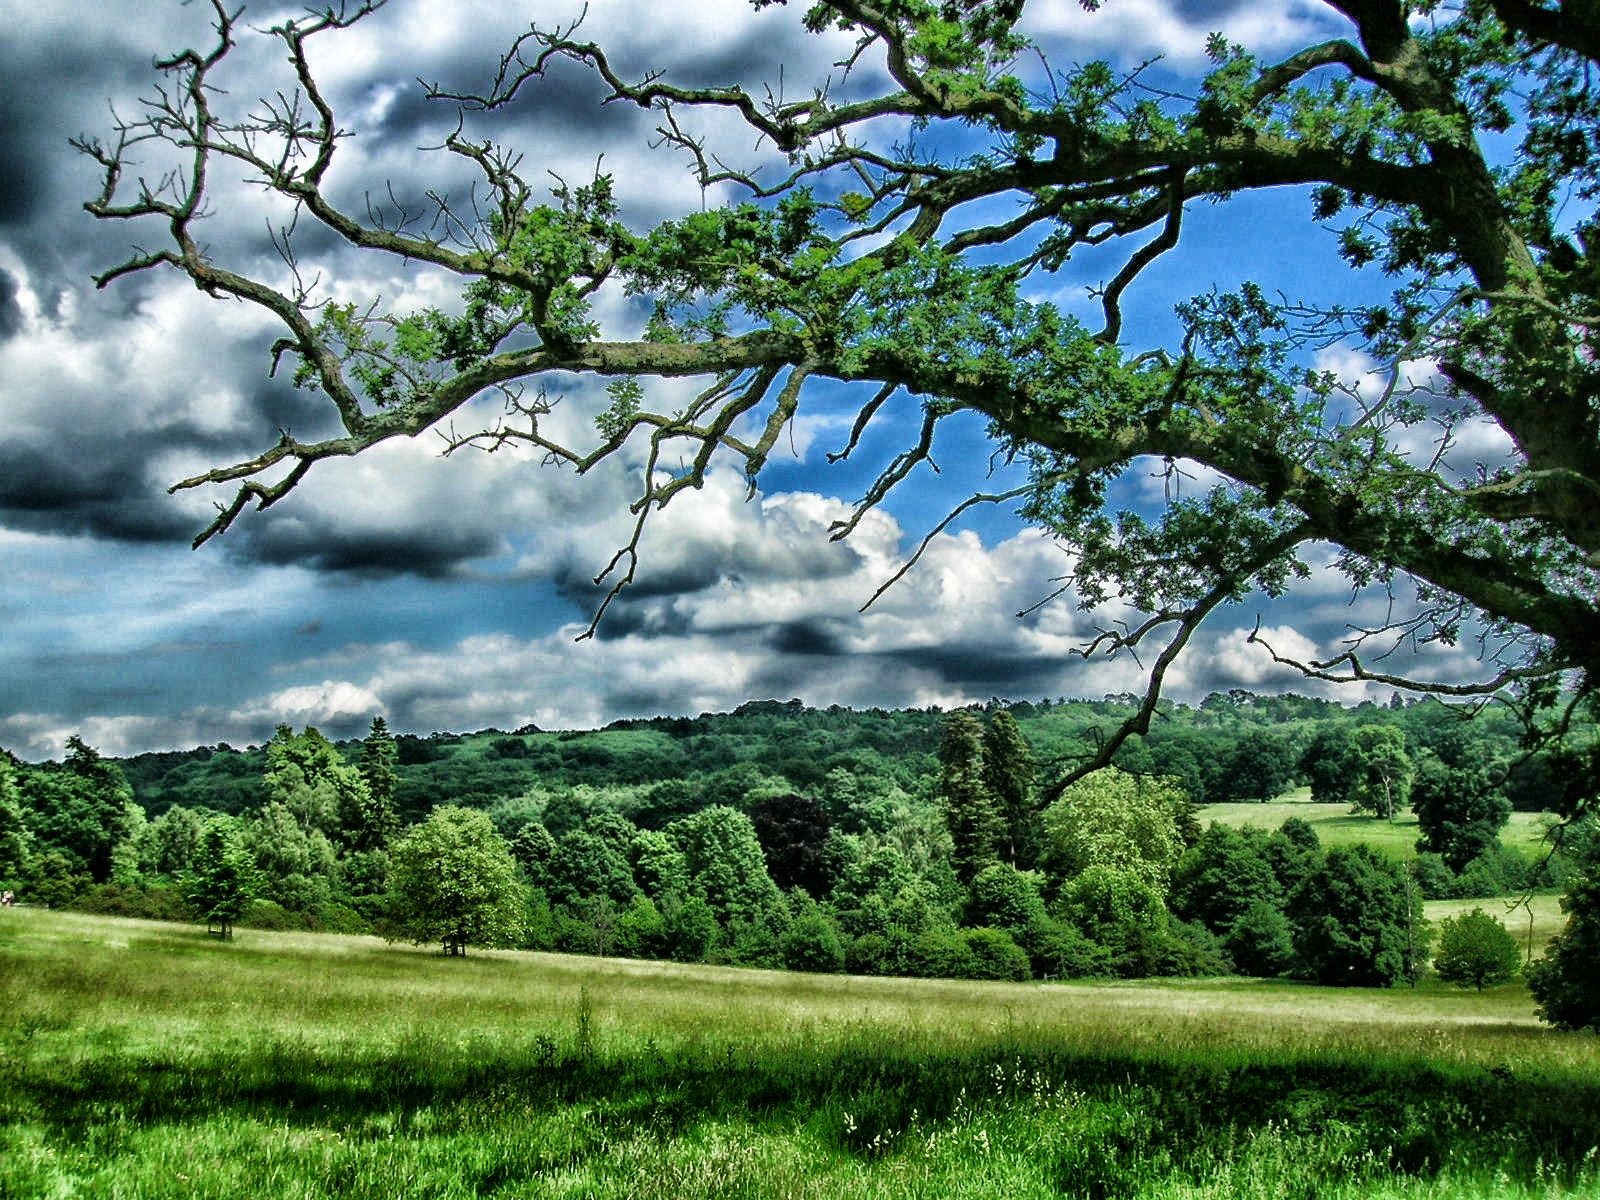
column 983, row 668
column 10, row 310
column 806, row 639
column 435, row 552
column 74, row 487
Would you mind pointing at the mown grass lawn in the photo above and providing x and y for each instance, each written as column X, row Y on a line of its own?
column 145, row 1060
column 1336, row 825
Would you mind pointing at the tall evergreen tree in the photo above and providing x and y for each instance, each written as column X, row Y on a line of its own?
column 379, row 768
column 1010, row 771
column 970, row 809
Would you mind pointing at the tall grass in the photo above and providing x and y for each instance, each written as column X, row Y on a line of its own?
column 138, row 1060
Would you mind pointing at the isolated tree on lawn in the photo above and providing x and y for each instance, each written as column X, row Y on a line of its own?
column 922, row 265
column 1460, row 811
column 453, row 881
column 222, row 879
column 1475, row 949
column 971, row 811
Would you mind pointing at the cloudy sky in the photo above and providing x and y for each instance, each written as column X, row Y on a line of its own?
column 446, row 592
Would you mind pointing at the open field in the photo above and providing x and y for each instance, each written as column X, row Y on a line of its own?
column 145, row 1060
column 1337, row 826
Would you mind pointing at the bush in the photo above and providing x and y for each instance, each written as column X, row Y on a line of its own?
column 157, row 902
column 940, row 954
column 812, row 944
column 995, row 955
column 1059, row 951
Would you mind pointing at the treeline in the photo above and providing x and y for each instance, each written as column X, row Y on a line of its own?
column 918, row 842
column 1231, row 746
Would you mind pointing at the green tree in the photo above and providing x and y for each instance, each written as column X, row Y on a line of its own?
column 1460, row 811
column 380, row 772
column 1323, row 765
column 222, row 880
column 309, row 777
column 1475, row 949
column 454, row 882
column 14, row 837
column 1456, row 156
column 1010, row 772
column 1117, row 909
column 725, row 864
column 1565, row 982
column 1003, row 897
column 1224, row 875
column 1378, row 770
column 1260, row 767
column 1116, row 820
column 82, row 809
column 971, row 811
column 1358, row 921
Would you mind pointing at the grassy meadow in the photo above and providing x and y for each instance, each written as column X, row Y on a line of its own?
column 1336, row 825
column 147, row 1060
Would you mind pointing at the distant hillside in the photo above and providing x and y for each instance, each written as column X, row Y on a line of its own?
column 1231, row 747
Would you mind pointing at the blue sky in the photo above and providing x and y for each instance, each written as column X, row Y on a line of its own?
column 446, row 593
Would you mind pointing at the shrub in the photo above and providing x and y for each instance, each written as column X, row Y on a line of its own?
column 940, row 954
column 812, row 943
column 995, row 955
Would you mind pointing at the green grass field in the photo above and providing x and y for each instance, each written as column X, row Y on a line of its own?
column 146, row 1060
column 1337, row 826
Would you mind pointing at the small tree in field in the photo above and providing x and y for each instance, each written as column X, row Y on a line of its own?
column 223, row 879
column 1475, row 949
column 454, row 882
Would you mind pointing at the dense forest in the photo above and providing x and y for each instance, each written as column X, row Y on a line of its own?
column 917, row 842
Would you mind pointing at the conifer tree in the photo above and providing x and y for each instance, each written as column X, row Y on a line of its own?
column 379, row 761
column 970, row 810
column 223, row 880
column 1009, row 771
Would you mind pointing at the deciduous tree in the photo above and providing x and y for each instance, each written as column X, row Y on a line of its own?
column 1378, row 771
column 1460, row 811
column 454, row 882
column 1115, row 820
column 1566, row 981
column 1456, row 154
column 1475, row 949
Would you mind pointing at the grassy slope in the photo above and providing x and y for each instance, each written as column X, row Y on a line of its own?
column 1337, row 826
column 139, row 1059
